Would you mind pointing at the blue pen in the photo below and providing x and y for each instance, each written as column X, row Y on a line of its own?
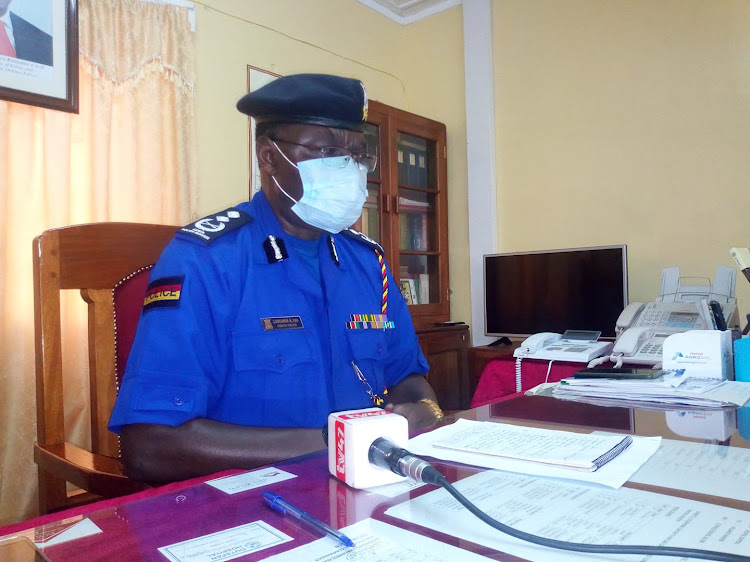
column 278, row 503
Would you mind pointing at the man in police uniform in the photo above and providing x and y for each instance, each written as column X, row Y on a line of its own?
column 262, row 319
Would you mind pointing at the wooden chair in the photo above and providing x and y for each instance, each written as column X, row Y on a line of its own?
column 109, row 263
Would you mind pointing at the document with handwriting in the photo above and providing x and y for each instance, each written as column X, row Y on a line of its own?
column 613, row 474
column 580, row 451
column 573, row 512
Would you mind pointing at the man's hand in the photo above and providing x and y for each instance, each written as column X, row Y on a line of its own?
column 421, row 415
column 414, row 399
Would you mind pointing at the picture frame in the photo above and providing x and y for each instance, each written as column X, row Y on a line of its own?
column 256, row 78
column 42, row 68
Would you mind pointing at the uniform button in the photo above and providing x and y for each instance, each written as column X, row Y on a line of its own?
column 177, row 401
column 380, row 349
column 279, row 360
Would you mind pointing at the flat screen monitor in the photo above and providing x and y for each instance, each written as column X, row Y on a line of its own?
column 555, row 290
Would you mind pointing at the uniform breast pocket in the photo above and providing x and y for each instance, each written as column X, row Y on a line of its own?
column 370, row 351
column 274, row 365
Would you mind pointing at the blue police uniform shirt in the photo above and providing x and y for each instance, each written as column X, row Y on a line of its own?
column 243, row 337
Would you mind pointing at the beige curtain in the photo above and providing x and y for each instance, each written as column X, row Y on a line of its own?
column 127, row 156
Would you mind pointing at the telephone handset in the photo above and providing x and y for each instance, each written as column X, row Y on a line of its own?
column 534, row 343
column 642, row 329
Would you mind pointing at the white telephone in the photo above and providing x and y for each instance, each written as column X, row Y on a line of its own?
column 534, row 343
column 642, row 328
column 574, row 345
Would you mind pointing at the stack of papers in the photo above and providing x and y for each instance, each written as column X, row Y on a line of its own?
column 478, row 443
column 672, row 388
column 576, row 451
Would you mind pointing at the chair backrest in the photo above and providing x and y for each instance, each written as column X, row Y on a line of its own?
column 109, row 263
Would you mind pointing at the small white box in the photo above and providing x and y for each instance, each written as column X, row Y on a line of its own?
column 350, row 434
column 704, row 354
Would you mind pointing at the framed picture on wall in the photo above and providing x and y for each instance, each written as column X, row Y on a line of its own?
column 39, row 53
column 256, row 78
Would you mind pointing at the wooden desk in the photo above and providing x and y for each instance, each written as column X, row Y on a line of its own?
column 134, row 527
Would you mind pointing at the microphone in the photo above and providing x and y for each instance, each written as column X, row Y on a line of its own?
column 385, row 454
column 365, row 449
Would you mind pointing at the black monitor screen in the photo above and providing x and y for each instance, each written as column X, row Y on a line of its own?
column 556, row 290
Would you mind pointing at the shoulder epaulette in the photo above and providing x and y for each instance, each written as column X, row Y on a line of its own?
column 351, row 233
column 209, row 228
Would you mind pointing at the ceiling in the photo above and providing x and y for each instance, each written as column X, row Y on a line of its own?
column 409, row 11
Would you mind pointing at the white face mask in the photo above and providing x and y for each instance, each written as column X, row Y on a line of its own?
column 332, row 198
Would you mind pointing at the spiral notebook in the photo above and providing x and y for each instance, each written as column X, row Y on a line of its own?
column 565, row 449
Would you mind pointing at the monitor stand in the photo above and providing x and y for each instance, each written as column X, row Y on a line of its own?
column 501, row 341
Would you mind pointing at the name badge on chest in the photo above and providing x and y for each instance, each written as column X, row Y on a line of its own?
column 282, row 323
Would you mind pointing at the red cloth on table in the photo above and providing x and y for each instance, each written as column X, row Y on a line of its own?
column 499, row 377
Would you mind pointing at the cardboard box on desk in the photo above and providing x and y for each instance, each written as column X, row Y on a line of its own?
column 704, row 354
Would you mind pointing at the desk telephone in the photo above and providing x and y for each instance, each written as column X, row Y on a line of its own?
column 573, row 345
column 642, row 328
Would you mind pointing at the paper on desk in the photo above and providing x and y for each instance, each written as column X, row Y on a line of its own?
column 705, row 393
column 705, row 468
column 227, row 544
column 613, row 474
column 572, row 512
column 375, row 541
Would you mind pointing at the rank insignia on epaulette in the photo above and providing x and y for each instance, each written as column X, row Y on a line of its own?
column 275, row 249
column 351, row 233
column 212, row 227
column 332, row 249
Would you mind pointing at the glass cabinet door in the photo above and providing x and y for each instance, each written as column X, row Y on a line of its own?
column 416, row 208
column 370, row 220
column 406, row 207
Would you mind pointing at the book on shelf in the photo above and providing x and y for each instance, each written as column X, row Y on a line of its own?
column 424, row 288
column 406, row 291
column 413, row 204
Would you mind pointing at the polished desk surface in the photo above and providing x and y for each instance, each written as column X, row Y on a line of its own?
column 134, row 530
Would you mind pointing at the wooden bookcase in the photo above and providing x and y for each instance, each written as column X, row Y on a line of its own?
column 406, row 212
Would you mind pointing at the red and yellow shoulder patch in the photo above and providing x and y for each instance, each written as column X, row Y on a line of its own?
column 163, row 293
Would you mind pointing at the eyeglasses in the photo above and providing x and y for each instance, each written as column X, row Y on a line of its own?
column 332, row 155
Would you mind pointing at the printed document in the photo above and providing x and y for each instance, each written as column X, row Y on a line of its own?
column 573, row 512
column 376, row 541
column 613, row 474
column 227, row 544
column 699, row 467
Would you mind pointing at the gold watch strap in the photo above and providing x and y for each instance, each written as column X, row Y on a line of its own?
column 433, row 406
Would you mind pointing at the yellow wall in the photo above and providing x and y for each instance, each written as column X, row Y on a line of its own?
column 418, row 68
column 625, row 121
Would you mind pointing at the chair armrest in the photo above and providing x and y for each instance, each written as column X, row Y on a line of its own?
column 98, row 474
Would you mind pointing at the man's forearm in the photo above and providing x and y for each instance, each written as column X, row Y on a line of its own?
column 159, row 453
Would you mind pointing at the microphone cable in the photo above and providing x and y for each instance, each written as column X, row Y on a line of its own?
column 385, row 454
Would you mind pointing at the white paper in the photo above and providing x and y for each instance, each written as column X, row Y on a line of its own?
column 250, row 480
column 573, row 512
column 693, row 392
column 396, row 489
column 376, row 541
column 226, row 545
column 699, row 467
column 613, row 474
column 531, row 444
column 62, row 531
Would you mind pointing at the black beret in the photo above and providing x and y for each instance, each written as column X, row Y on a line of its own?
column 317, row 99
